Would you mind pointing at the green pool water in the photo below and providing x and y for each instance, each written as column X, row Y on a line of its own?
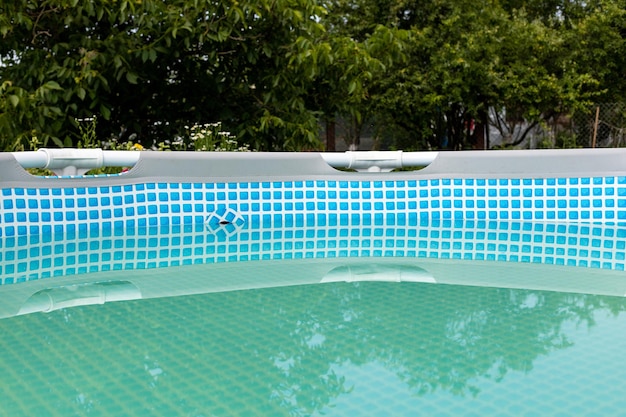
column 334, row 349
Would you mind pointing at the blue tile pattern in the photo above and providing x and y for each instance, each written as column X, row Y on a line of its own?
column 24, row 258
column 317, row 218
column 27, row 211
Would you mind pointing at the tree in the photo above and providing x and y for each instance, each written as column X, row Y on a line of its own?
column 148, row 68
column 371, row 46
column 519, row 61
column 427, row 73
column 598, row 41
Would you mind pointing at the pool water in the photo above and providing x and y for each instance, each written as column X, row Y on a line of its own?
column 344, row 349
column 437, row 319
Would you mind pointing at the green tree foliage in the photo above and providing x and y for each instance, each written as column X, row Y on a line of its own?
column 148, row 68
column 598, row 41
column 523, row 61
column 271, row 71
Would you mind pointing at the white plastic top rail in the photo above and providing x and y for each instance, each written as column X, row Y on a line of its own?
column 71, row 161
column 378, row 161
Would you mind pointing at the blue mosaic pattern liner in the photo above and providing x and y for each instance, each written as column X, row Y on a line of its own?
column 24, row 258
column 42, row 230
column 28, row 211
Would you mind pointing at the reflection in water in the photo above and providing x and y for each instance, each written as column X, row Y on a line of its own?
column 303, row 350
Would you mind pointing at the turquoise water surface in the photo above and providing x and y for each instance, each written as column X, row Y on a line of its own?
column 409, row 320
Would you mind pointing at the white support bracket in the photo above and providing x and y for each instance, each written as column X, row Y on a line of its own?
column 378, row 161
column 71, row 161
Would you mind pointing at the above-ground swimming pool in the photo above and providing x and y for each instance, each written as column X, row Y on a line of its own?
column 202, row 284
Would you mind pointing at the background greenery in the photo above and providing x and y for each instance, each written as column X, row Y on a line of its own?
column 274, row 73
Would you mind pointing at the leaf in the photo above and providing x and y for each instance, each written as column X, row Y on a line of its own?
column 52, row 85
column 15, row 100
column 59, row 143
column 131, row 77
column 55, row 111
column 105, row 111
column 351, row 87
column 223, row 34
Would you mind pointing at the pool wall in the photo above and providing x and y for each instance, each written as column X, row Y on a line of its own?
column 27, row 258
column 166, row 189
column 555, row 207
